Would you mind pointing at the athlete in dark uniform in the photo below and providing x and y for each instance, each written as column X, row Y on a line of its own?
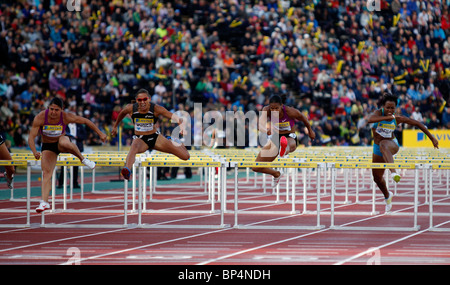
column 5, row 155
column 145, row 115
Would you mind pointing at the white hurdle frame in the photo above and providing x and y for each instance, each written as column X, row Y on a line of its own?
column 414, row 227
column 173, row 163
column 419, row 166
column 238, row 165
column 432, row 203
column 65, row 163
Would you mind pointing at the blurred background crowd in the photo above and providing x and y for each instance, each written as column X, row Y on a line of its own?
column 330, row 59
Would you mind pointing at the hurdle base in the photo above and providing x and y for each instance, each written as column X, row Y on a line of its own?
column 279, row 227
column 15, row 226
column 156, row 226
column 437, row 229
column 88, row 226
column 352, row 228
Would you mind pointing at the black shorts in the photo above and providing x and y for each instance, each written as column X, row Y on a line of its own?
column 150, row 140
column 288, row 135
column 51, row 147
column 2, row 140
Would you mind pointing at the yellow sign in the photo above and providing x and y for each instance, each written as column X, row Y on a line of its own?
column 416, row 138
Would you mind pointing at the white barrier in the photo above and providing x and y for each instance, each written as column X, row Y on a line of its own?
column 286, row 165
column 302, row 172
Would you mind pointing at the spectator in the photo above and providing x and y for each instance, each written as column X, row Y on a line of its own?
column 349, row 55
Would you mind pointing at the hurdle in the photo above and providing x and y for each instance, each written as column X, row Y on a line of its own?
column 142, row 209
column 53, row 210
column 28, row 165
column 317, row 168
column 125, row 211
column 432, row 195
column 291, row 213
column 373, row 213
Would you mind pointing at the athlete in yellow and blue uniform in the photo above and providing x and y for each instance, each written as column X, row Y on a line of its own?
column 385, row 145
column 386, row 130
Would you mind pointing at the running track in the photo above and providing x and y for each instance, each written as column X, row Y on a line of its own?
column 222, row 246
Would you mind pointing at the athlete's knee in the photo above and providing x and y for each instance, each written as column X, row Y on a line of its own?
column 47, row 173
column 378, row 179
column 10, row 170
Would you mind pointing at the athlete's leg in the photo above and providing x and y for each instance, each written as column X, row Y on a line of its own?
column 388, row 149
column 5, row 155
column 137, row 146
column 291, row 146
column 66, row 146
column 378, row 175
column 48, row 163
column 172, row 147
column 267, row 154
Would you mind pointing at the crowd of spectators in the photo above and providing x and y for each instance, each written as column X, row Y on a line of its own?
column 330, row 59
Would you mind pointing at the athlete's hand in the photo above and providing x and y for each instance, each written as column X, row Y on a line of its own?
column 114, row 132
column 435, row 143
column 37, row 155
column 312, row 134
column 103, row 137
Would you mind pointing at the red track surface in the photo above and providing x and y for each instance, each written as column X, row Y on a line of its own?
column 228, row 245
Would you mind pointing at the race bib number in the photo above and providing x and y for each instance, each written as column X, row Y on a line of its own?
column 143, row 125
column 52, row 130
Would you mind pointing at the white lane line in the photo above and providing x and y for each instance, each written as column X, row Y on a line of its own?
column 59, row 240
column 259, row 247
column 146, row 245
column 372, row 249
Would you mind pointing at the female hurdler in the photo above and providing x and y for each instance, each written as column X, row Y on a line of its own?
column 144, row 115
column 51, row 124
column 385, row 144
column 284, row 139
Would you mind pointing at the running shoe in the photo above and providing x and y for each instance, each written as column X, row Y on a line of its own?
column 396, row 177
column 283, row 145
column 276, row 181
column 126, row 173
column 88, row 163
column 9, row 181
column 42, row 207
column 388, row 201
